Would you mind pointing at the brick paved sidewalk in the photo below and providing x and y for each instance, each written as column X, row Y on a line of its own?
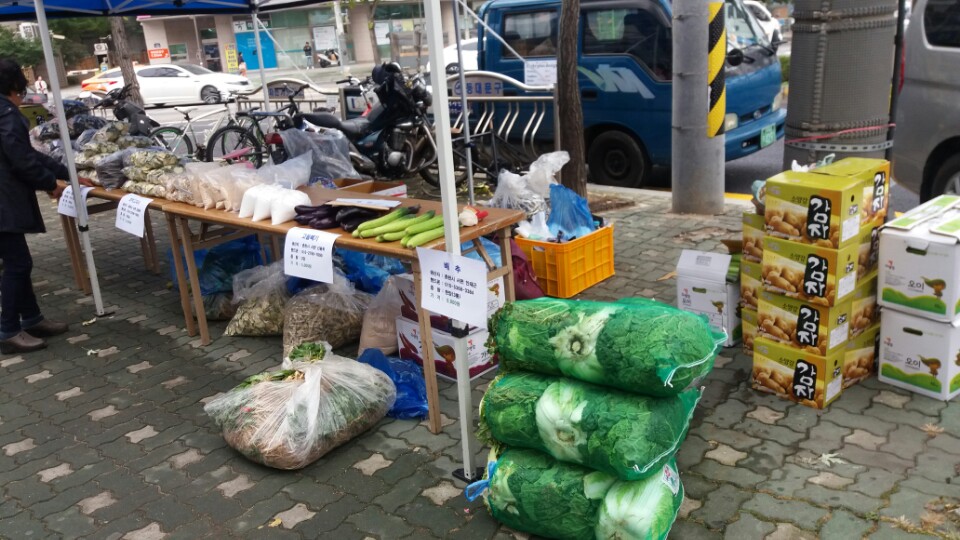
column 103, row 435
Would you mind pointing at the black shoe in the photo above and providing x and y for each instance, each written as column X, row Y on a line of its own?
column 47, row 328
column 21, row 343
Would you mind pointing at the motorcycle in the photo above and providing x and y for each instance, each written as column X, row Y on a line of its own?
column 394, row 139
column 128, row 111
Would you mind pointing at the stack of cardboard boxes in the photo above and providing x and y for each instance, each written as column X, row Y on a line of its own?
column 920, row 293
column 809, row 282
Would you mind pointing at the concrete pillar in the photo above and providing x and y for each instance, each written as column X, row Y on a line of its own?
column 155, row 35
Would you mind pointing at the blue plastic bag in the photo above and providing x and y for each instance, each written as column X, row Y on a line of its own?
column 493, row 250
column 407, row 376
column 569, row 214
column 369, row 272
column 217, row 266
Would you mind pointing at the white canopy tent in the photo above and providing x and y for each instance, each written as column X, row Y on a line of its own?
column 28, row 9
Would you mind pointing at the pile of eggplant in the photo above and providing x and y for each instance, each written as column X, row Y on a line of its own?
column 326, row 216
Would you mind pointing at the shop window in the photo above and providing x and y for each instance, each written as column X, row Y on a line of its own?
column 635, row 32
column 178, row 52
column 531, row 34
column 941, row 23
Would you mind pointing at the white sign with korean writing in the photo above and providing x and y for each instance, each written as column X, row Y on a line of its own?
column 454, row 286
column 540, row 72
column 68, row 204
column 308, row 254
column 479, row 86
column 131, row 213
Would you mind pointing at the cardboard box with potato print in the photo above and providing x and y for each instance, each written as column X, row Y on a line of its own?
column 920, row 261
column 751, row 284
column 874, row 175
column 753, row 233
column 920, row 355
column 860, row 358
column 864, row 309
column 803, row 325
column 748, row 321
column 809, row 379
column 868, row 257
column 813, row 209
column 818, row 275
column 702, row 288
column 445, row 347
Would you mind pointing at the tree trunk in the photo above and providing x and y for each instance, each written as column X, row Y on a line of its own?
column 574, row 174
column 119, row 34
column 371, row 11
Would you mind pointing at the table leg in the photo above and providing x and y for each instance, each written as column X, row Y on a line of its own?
column 149, row 244
column 187, row 237
column 75, row 239
column 182, row 283
column 506, row 257
column 429, row 368
column 276, row 248
column 72, row 251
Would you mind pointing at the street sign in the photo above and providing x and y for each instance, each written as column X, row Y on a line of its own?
column 99, row 49
column 157, row 54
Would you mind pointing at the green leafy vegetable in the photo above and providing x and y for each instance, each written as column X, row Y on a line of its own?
column 616, row 432
column 308, row 352
column 638, row 345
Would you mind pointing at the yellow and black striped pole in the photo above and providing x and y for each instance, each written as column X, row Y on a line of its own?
column 717, row 49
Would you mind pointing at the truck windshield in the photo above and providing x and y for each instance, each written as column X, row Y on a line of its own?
column 743, row 30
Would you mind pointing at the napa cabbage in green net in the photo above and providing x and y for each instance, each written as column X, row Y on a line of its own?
column 532, row 492
column 637, row 345
column 624, row 434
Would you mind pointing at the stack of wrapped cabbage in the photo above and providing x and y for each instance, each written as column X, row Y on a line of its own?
column 592, row 404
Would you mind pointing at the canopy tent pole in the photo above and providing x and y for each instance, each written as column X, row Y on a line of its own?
column 448, row 197
column 82, row 218
column 464, row 107
column 263, row 74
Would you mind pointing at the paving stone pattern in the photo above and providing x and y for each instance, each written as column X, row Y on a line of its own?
column 103, row 435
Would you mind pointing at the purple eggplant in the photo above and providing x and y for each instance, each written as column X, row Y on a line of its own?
column 324, row 223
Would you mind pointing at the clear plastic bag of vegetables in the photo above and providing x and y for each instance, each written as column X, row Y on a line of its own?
column 261, row 293
column 288, row 419
column 643, row 347
column 535, row 493
column 110, row 169
column 150, row 158
column 624, row 434
column 332, row 313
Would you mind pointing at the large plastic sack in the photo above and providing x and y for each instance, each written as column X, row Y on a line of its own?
column 543, row 172
column 288, row 419
column 513, row 193
column 234, row 181
column 332, row 313
column 261, row 293
column 110, row 169
column 149, row 158
column 217, row 266
column 282, row 206
column 83, row 122
column 627, row 435
column 651, row 348
column 111, row 132
column 330, row 151
column 290, row 174
column 493, row 251
column 380, row 320
column 146, row 189
column 569, row 214
column 367, row 271
column 532, row 492
column 407, row 377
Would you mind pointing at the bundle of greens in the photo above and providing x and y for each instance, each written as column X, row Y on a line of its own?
column 288, row 419
column 535, row 493
column 640, row 346
column 623, row 434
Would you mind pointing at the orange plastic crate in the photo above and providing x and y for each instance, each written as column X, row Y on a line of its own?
column 564, row 270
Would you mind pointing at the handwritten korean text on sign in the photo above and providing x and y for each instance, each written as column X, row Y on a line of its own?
column 131, row 213
column 454, row 286
column 67, row 205
column 308, row 254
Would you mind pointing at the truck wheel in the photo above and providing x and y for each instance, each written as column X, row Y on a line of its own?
column 616, row 159
column 947, row 179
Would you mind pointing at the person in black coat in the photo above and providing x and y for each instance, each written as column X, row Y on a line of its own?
column 23, row 172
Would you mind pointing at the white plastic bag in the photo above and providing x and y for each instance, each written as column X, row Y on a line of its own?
column 205, row 195
column 261, row 293
column 535, row 229
column 380, row 320
column 281, row 209
column 235, row 180
column 288, row 419
column 265, row 202
column 544, row 170
column 290, row 174
column 249, row 202
column 331, row 313
column 513, row 193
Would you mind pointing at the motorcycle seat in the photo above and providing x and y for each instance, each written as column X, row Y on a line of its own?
column 355, row 127
column 322, row 119
column 185, row 110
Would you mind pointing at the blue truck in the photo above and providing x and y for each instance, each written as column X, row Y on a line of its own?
column 625, row 58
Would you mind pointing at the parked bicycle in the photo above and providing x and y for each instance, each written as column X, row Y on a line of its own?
column 185, row 140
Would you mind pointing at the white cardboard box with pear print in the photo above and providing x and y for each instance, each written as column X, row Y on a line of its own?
column 702, row 287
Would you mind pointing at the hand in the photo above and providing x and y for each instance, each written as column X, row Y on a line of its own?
column 55, row 194
column 86, row 182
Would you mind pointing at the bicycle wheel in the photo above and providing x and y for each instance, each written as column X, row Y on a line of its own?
column 431, row 173
column 174, row 140
column 234, row 144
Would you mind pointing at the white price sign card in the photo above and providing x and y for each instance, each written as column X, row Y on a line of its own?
column 308, row 254
column 368, row 202
column 68, row 203
column 131, row 213
column 540, row 72
column 454, row 286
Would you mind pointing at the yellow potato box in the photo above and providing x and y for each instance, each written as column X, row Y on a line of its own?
column 803, row 325
column 869, row 254
column 864, row 309
column 808, row 379
column 821, row 276
column 748, row 318
column 860, row 358
column 753, row 233
column 813, row 209
column 750, row 284
column 874, row 175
